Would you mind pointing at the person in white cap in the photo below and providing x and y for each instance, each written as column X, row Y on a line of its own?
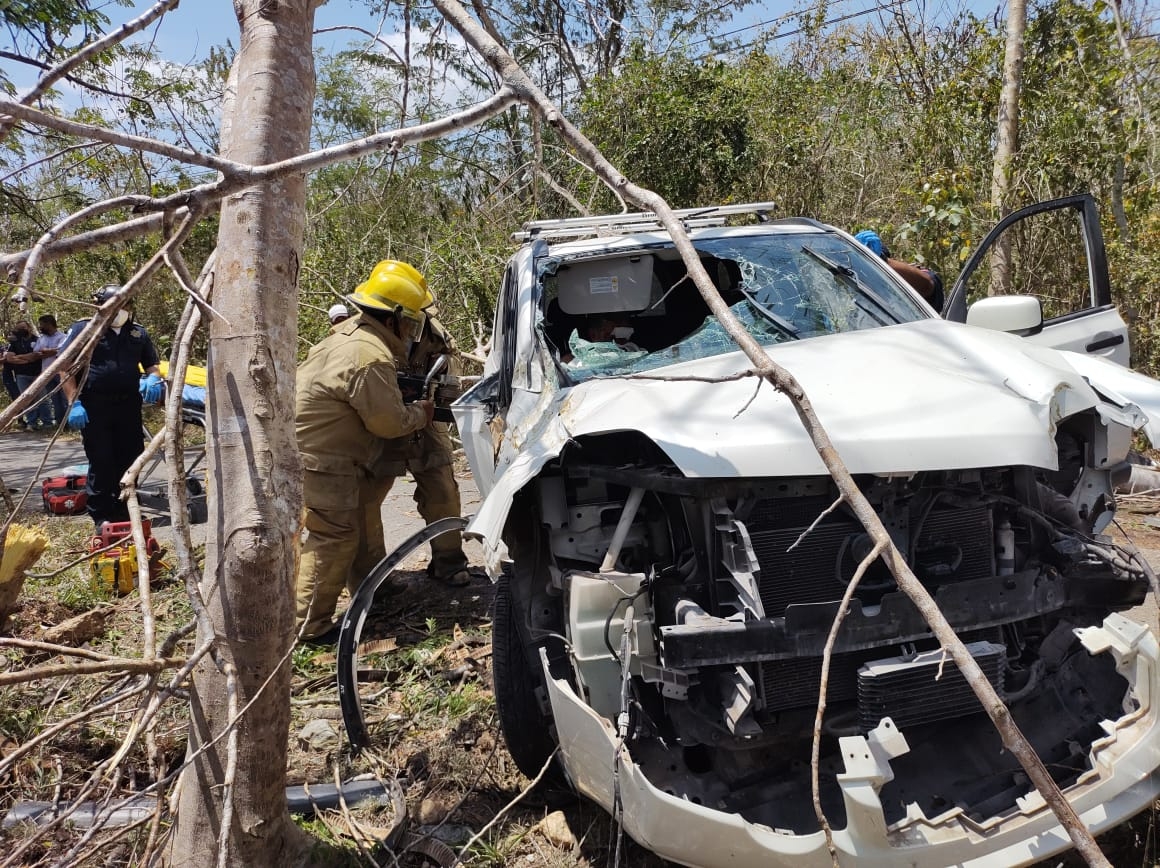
column 338, row 313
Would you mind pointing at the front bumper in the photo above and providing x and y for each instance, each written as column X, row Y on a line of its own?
column 1121, row 782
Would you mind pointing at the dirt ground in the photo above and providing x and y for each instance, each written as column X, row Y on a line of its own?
column 430, row 715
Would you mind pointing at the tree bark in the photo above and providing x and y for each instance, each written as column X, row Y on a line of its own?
column 254, row 473
column 1007, row 143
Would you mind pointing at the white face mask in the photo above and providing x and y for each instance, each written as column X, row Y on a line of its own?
column 120, row 318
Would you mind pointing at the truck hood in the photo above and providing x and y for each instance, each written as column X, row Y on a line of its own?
column 928, row 395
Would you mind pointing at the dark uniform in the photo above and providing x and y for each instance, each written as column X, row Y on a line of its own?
column 23, row 374
column 110, row 394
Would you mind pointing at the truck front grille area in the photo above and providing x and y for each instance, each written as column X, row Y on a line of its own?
column 945, row 544
column 951, row 545
column 924, row 688
column 910, row 688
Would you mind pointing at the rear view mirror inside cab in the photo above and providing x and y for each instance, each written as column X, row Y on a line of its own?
column 1018, row 314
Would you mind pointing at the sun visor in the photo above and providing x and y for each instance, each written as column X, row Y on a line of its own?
column 605, row 285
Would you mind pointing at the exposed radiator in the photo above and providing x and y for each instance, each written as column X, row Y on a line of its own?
column 924, row 688
column 954, row 544
column 794, row 683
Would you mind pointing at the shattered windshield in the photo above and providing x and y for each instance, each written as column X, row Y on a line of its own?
column 638, row 311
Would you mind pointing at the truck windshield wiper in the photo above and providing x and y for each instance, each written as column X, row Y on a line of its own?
column 849, row 276
column 780, row 323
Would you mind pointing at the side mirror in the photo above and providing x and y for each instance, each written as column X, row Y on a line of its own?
column 1018, row 314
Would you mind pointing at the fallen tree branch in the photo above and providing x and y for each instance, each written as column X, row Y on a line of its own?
column 502, row 812
column 14, row 755
column 49, row 648
column 819, row 716
column 125, row 665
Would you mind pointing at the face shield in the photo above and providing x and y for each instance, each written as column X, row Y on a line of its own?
column 410, row 325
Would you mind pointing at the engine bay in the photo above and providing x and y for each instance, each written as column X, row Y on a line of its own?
column 693, row 615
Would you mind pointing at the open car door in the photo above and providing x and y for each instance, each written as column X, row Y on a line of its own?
column 508, row 375
column 1055, row 253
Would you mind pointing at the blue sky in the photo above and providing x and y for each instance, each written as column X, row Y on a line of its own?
column 186, row 34
column 189, row 31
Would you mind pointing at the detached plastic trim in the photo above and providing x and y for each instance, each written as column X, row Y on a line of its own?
column 356, row 615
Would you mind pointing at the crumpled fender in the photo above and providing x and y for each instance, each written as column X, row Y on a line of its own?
column 1125, row 387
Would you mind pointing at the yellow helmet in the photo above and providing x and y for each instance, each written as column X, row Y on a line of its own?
column 394, row 286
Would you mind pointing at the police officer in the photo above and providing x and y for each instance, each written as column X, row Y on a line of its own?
column 106, row 405
column 428, row 457
column 350, row 415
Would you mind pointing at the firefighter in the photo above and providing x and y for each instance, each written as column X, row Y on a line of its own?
column 350, row 420
column 106, row 405
column 428, row 457
column 338, row 313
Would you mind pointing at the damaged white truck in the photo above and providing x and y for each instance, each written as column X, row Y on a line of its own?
column 669, row 564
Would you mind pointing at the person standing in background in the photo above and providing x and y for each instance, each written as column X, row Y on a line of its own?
column 106, row 405
column 47, row 345
column 925, row 281
column 427, row 455
column 9, row 377
column 25, row 364
column 338, row 313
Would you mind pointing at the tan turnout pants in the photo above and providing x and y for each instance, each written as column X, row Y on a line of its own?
column 437, row 496
column 341, row 547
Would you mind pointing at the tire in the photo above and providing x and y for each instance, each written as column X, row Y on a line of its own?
column 527, row 732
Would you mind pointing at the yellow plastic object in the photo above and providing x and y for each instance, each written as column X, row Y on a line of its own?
column 195, row 375
column 22, row 548
column 114, row 571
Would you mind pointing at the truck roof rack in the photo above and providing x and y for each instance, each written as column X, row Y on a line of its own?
column 637, row 221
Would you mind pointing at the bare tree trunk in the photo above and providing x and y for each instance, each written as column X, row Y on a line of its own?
column 1007, row 142
column 255, row 481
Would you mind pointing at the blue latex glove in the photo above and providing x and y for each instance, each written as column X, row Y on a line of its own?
column 152, row 389
column 870, row 238
column 77, row 417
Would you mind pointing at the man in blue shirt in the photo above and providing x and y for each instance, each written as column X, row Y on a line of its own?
column 106, row 405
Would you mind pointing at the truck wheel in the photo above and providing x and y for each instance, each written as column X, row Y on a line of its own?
column 528, row 734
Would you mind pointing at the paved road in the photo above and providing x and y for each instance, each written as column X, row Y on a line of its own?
column 22, row 454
